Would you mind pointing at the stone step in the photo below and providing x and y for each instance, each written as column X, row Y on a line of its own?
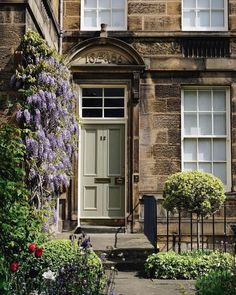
column 125, row 265
column 133, row 253
column 96, row 229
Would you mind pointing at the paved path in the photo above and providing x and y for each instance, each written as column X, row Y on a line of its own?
column 129, row 283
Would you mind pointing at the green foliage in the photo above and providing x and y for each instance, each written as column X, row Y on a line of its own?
column 217, row 283
column 19, row 222
column 79, row 271
column 188, row 265
column 199, row 192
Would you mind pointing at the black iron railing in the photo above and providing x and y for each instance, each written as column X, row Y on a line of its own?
column 187, row 231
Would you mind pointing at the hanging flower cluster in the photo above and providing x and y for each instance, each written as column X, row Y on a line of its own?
column 47, row 115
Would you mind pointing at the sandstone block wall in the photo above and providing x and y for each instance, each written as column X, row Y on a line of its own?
column 144, row 15
column 12, row 28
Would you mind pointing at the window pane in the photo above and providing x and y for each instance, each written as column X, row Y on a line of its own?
column 190, row 124
column 219, row 170
column 118, row 4
column 217, row 19
column 190, row 100
column 219, row 150
column 205, row 124
column 114, row 92
column 188, row 3
column 189, row 19
column 90, row 18
column 190, row 166
column 190, row 149
column 205, row 167
column 104, row 17
column 219, row 4
column 104, row 3
column 114, row 113
column 92, row 92
column 90, row 3
column 204, row 150
column 92, row 102
column 219, row 124
column 204, row 100
column 219, row 101
column 203, row 3
column 118, row 18
column 92, row 113
column 203, row 18
column 114, row 102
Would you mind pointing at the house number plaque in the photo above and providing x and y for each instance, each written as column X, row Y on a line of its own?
column 101, row 57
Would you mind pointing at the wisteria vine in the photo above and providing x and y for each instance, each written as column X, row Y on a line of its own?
column 47, row 115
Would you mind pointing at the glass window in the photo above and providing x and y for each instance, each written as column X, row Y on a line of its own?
column 97, row 12
column 205, row 134
column 106, row 102
column 204, row 15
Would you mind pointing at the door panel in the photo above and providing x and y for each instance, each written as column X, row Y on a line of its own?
column 103, row 171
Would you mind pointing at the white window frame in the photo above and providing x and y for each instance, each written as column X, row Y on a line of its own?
column 195, row 28
column 228, row 130
column 98, row 27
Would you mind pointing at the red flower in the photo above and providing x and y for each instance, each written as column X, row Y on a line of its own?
column 14, row 266
column 38, row 252
column 32, row 247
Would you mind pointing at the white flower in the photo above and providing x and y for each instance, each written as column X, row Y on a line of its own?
column 49, row 275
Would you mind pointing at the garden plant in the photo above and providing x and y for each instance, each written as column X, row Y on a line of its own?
column 38, row 138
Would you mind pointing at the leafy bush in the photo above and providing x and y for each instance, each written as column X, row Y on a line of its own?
column 217, row 283
column 77, row 270
column 189, row 265
column 198, row 192
column 20, row 224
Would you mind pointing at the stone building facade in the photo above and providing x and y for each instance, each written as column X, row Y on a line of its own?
column 156, row 94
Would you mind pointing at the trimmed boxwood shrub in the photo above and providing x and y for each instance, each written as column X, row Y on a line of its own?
column 187, row 265
column 217, row 283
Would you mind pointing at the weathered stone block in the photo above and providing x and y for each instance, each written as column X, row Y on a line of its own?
column 168, row 90
column 232, row 23
column 232, row 8
column 174, row 105
column 5, row 14
column 158, row 48
column 166, row 167
column 146, row 8
column 162, row 151
column 11, row 34
column 72, row 8
column 174, row 136
column 19, row 16
column 72, row 23
column 135, row 23
column 6, row 58
column 165, row 23
column 166, row 121
column 173, row 8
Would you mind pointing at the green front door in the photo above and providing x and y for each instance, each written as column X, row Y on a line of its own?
column 102, row 181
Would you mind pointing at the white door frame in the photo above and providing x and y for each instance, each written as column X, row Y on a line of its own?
column 109, row 121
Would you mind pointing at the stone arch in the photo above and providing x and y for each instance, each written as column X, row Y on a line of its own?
column 101, row 51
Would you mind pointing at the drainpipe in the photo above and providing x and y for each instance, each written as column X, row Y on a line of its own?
column 61, row 25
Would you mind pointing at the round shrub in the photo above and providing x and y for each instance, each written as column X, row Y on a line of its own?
column 195, row 191
column 217, row 283
column 187, row 265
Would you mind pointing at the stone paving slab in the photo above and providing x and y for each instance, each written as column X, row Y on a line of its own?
column 129, row 283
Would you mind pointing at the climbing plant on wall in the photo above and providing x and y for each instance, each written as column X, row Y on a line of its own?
column 47, row 116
